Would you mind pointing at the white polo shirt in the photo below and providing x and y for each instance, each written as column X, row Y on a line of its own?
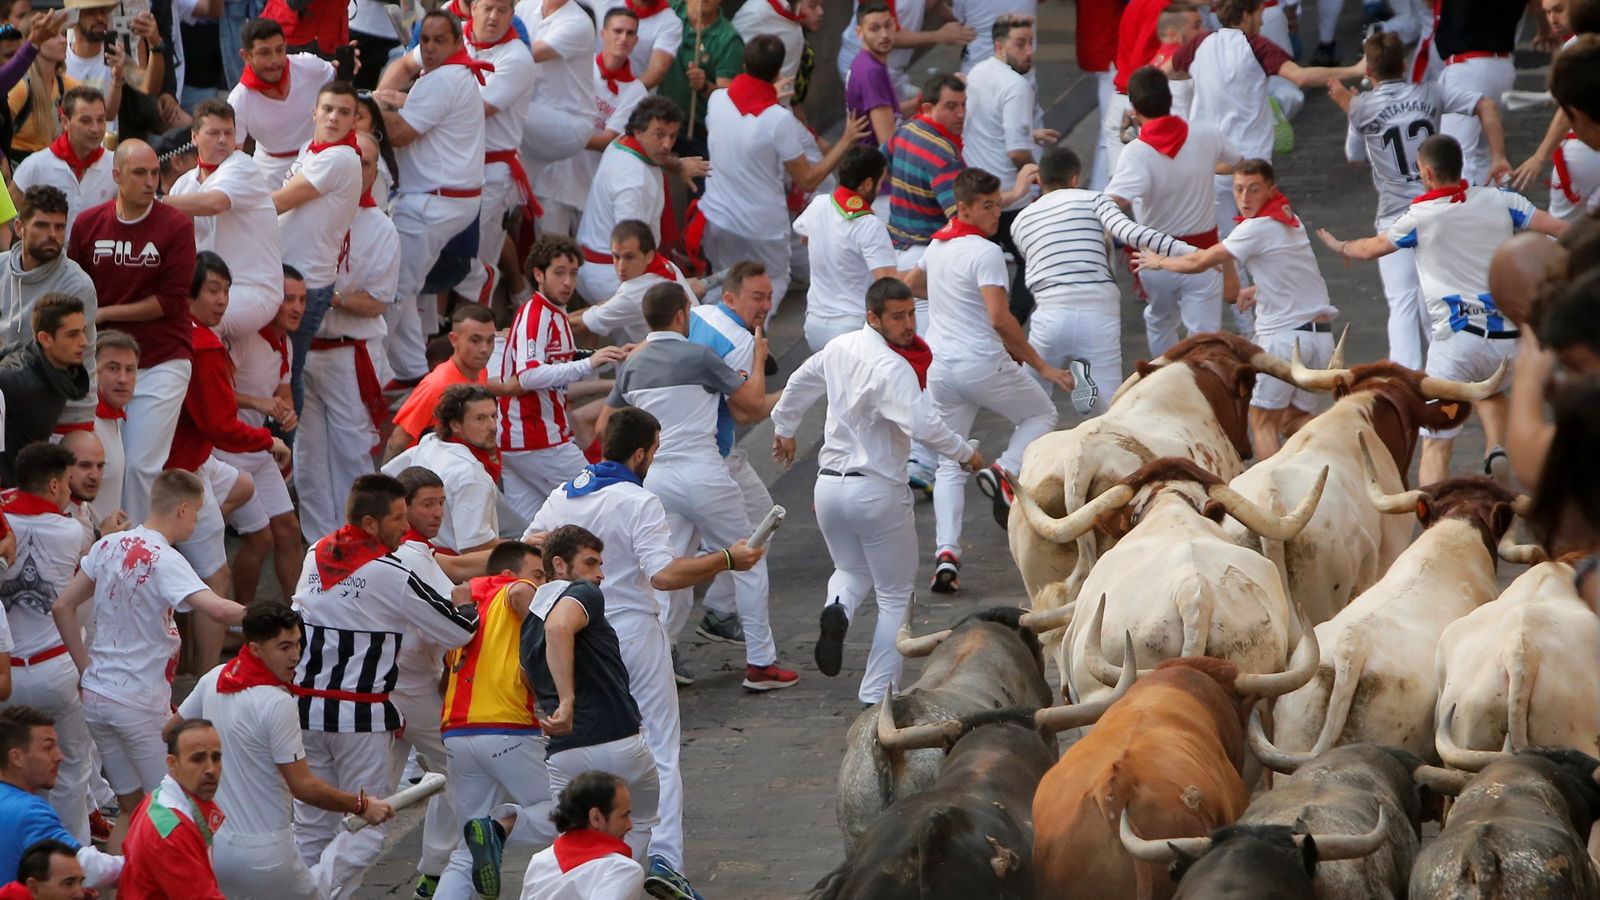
column 745, row 190
column 632, row 524
column 470, row 513
column 845, row 247
column 1177, row 191
column 1454, row 243
column 48, row 548
column 567, row 180
column 979, row 15
column 1289, row 288
column 246, row 234
column 622, row 317
column 999, row 120
column 281, row 127
column 660, row 33
column 563, row 82
column 958, row 320
column 446, row 107
column 625, row 186
column 312, row 234
column 758, row 17
column 258, row 370
column 373, row 266
column 45, row 168
column 260, row 730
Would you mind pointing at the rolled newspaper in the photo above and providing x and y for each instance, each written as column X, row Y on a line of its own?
column 758, row 538
column 431, row 783
column 1515, row 100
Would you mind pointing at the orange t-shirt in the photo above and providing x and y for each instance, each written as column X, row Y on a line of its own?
column 416, row 414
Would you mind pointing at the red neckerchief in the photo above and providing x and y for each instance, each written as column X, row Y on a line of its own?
column 613, row 76
column 646, row 10
column 1163, row 53
column 669, row 224
column 15, row 891
column 658, row 266
column 205, row 167
column 277, row 343
column 484, row 587
column 476, row 66
column 414, row 535
column 1277, row 209
column 245, row 671
column 751, row 96
column 1563, row 181
column 104, row 410
column 956, row 228
column 1456, row 192
column 631, row 144
column 580, row 845
column 919, row 355
column 258, row 84
column 62, row 148
column 942, row 131
column 1166, row 134
column 343, row 552
column 782, row 9
column 367, row 202
column 18, row 502
column 489, row 459
column 349, row 140
column 850, row 204
column 508, row 37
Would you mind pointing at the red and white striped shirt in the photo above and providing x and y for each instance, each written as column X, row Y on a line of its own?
column 538, row 355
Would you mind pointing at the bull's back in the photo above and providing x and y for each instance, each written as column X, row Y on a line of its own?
column 930, row 848
column 1504, row 859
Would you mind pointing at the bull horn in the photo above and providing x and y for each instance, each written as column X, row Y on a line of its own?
column 1041, row 621
column 1519, row 554
column 1443, row 781
column 1336, row 361
column 1352, row 846
column 1264, row 523
column 1160, row 852
column 1075, row 524
column 1311, row 379
column 913, row 647
column 912, row 737
column 1061, row 718
column 1270, row 364
column 1268, row 754
column 1457, row 758
column 1385, row 502
column 1298, row 675
column 1093, row 657
column 1465, row 391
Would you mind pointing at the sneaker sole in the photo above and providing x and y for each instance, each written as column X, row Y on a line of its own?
column 1085, row 393
column 989, row 486
column 945, row 582
column 713, row 636
column 830, row 643
column 485, row 867
column 1498, row 467
column 682, row 680
column 659, row 887
column 768, row 685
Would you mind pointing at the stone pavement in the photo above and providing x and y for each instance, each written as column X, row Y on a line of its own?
column 760, row 770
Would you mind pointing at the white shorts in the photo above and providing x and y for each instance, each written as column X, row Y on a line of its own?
column 271, row 492
column 1316, row 349
column 129, row 740
column 1467, row 357
column 205, row 549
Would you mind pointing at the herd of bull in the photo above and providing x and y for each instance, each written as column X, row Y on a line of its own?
column 1142, row 529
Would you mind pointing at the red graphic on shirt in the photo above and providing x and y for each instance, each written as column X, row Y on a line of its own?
column 138, row 559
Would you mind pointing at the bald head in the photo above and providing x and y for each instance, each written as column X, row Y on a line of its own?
column 88, row 463
column 131, row 149
column 1519, row 271
column 137, row 173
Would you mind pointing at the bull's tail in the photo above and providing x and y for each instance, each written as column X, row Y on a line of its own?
column 1519, row 691
column 1196, row 616
column 1349, row 660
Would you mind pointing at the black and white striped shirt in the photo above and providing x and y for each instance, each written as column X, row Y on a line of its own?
column 1065, row 240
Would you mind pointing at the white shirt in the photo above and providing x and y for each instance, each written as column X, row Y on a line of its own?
column 1583, row 177
column 611, row 877
column 246, row 234
column 109, row 500
column 958, row 319
column 92, row 71
column 979, row 15
column 1177, row 192
column 1289, row 288
column 421, row 657
column 1230, row 92
column 312, row 234
column 258, row 369
column 622, row 317
column 999, row 120
column 508, row 89
column 844, row 249
column 48, row 548
column 1065, row 241
column 625, row 186
column 373, row 266
column 260, row 730
column 1454, row 243
column 745, row 190
column 470, row 515
column 1387, row 126
column 632, row 523
column 758, row 17
column 281, row 127
column 563, row 82
column 660, row 33
column 46, row 168
column 568, row 180
column 875, row 408
column 140, row 580
column 447, row 109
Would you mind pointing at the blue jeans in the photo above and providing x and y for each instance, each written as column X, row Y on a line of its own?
column 318, row 300
column 234, row 14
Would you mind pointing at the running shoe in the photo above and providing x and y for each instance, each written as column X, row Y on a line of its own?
column 769, row 678
column 717, row 628
column 992, row 483
column 920, row 476
column 945, row 573
column 1497, row 465
column 426, row 885
column 1085, row 393
column 486, row 841
column 830, row 643
column 667, row 883
column 680, row 672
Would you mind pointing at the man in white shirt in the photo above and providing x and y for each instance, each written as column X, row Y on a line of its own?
column 594, row 806
column 137, row 580
column 247, row 698
column 639, row 266
column 1169, row 171
column 1455, row 230
column 754, row 143
column 49, row 544
column 788, row 21
column 978, row 353
column 463, row 438
column 276, row 99
column 864, row 510
column 76, row 162
column 344, row 408
column 560, row 114
column 438, row 130
column 848, row 245
column 116, row 370
column 660, row 36
column 1288, row 293
column 95, row 57
column 315, row 208
column 234, row 217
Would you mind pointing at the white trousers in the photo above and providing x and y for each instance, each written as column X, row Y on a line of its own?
column 632, row 761
column 703, row 499
column 425, row 222
column 726, row 246
column 648, row 656
column 1328, row 19
column 1108, row 147
column 272, row 494
column 1063, row 333
column 350, row 762
column 52, row 688
column 550, row 134
column 871, row 532
column 500, row 196
column 147, row 432
column 959, row 389
column 129, row 740
column 250, row 308
column 1171, row 299
column 441, row 828
column 260, row 866
column 721, row 596
column 1409, row 324
column 333, row 445
column 1490, row 77
column 530, row 475
column 822, row 329
column 560, row 218
column 598, row 282
column 1111, row 113
column 486, row 770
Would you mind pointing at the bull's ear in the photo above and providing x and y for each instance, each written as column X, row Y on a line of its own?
column 1448, row 413
column 1214, row 511
column 1341, row 388
column 1144, row 368
column 1180, row 864
column 1308, row 855
column 1502, row 518
column 1424, row 511
column 1244, row 383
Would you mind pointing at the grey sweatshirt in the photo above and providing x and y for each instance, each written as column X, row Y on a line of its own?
column 20, row 290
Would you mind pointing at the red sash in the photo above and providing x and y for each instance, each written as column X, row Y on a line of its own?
column 367, row 386
column 1563, row 175
column 519, row 177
